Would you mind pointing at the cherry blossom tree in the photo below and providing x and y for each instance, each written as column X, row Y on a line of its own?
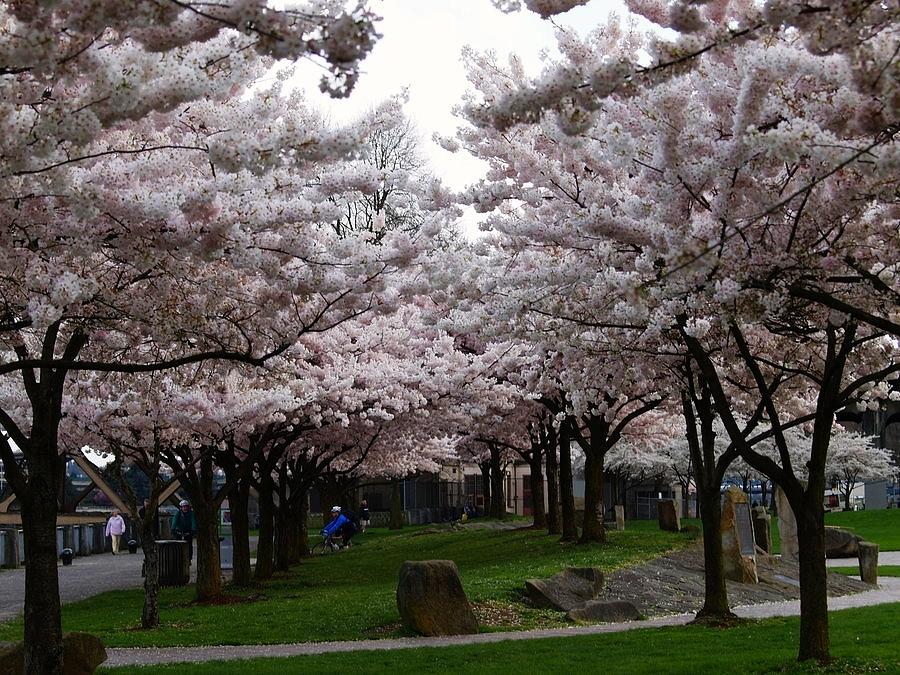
column 854, row 459
column 125, row 174
column 701, row 204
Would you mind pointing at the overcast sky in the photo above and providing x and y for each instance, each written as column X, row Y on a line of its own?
column 420, row 50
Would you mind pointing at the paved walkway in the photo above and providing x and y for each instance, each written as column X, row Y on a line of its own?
column 85, row 577
column 884, row 558
column 888, row 592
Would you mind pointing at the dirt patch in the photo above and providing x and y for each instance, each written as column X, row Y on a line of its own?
column 496, row 613
column 389, row 629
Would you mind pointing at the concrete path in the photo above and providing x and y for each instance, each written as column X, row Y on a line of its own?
column 86, row 576
column 884, row 558
column 888, row 592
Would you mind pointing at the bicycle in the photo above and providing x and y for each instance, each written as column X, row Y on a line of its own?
column 327, row 546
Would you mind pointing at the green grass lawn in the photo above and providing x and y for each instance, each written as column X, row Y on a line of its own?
column 883, row 570
column 862, row 640
column 351, row 595
column 881, row 526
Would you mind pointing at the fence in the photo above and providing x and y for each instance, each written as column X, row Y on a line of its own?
column 82, row 539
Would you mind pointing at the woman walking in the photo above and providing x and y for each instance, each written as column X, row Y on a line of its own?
column 115, row 528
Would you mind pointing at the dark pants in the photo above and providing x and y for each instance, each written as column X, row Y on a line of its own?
column 189, row 538
column 347, row 534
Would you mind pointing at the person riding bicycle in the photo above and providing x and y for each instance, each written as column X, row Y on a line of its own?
column 340, row 525
column 184, row 526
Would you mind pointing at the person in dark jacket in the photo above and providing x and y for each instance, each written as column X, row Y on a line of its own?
column 184, row 526
column 363, row 516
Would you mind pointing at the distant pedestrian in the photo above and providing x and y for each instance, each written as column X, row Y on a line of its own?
column 115, row 528
column 364, row 517
column 184, row 526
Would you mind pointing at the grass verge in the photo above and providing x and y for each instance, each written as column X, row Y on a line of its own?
column 862, row 640
column 883, row 570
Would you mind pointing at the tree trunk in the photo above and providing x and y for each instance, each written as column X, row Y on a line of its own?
column 396, row 522
column 486, row 487
column 685, row 501
column 537, row 490
column 265, row 553
column 615, row 489
column 238, row 501
column 285, row 538
column 708, row 473
column 43, row 623
column 498, row 505
column 150, row 611
column 715, row 602
column 553, row 519
column 209, row 568
column 302, row 517
column 814, row 640
column 594, row 528
column 566, row 494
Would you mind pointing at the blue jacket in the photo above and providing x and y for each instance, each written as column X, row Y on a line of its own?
column 335, row 524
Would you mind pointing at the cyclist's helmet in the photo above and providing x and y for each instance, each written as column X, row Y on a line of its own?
column 335, row 509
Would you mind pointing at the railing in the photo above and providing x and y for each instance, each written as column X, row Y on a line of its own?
column 82, row 539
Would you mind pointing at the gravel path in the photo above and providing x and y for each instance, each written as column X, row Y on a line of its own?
column 888, row 592
column 675, row 584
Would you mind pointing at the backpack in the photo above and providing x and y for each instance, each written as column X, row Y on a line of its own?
column 349, row 515
column 349, row 528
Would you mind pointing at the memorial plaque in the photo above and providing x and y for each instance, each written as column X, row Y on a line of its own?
column 744, row 526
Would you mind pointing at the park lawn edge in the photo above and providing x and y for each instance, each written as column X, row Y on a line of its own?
column 863, row 640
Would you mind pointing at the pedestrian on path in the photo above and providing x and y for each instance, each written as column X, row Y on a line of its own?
column 115, row 528
column 184, row 526
column 364, row 517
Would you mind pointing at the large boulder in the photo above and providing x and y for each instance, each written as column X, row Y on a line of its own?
column 12, row 658
column 565, row 590
column 432, row 601
column 605, row 611
column 82, row 654
column 667, row 514
column 868, row 562
column 738, row 544
column 841, row 543
column 787, row 527
column 762, row 528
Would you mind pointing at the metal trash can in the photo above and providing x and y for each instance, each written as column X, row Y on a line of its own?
column 174, row 567
column 132, row 546
column 67, row 554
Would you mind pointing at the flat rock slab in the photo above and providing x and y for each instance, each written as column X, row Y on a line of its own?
column 431, row 599
column 605, row 611
column 565, row 590
column 840, row 543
